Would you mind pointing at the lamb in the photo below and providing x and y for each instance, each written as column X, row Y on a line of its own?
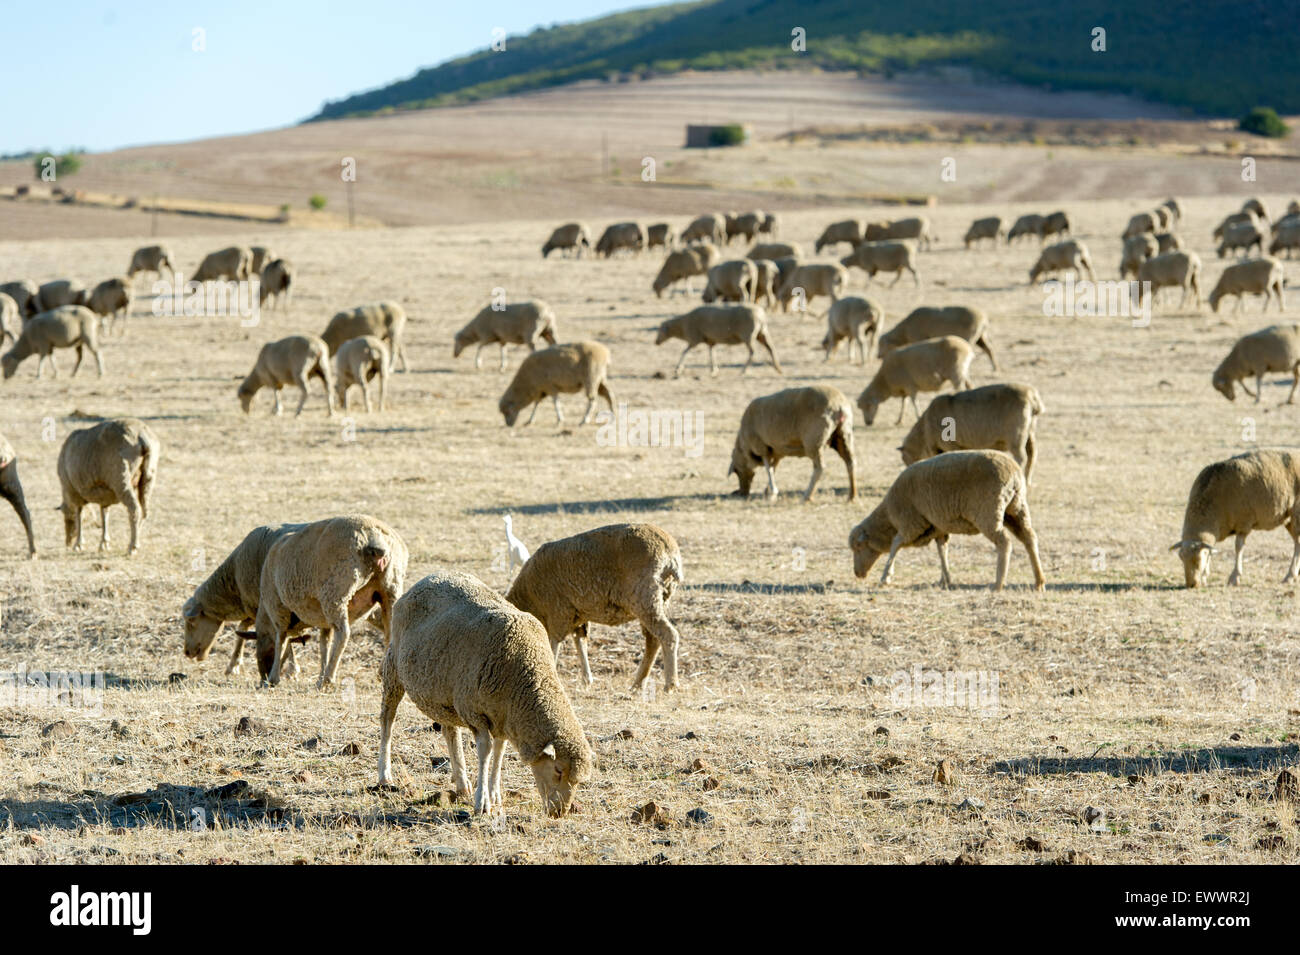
column 1242, row 236
column 329, row 575
column 1140, row 223
column 573, row 235
column 961, row 492
column 360, row 360
column 710, row 227
column 987, row 228
column 848, row 230
column 262, row 257
column 813, row 280
column 11, row 489
column 233, row 263
column 661, row 234
column 1030, row 224
column 276, row 283
column 58, row 293
column 1276, row 348
column 1168, row 242
column 385, row 320
column 775, row 250
column 1262, row 276
column 1003, row 417
column 767, row 280
column 853, row 318
column 1137, row 249
column 1171, row 270
column 470, row 659
column 151, row 258
column 1058, row 223
column 1175, row 210
column 522, row 323
column 923, row 366
column 1287, row 238
column 558, row 370
column 111, row 299
column 795, row 423
column 771, row 225
column 1070, row 254
column 684, row 264
column 621, row 235
column 70, row 326
column 873, row 257
column 746, row 224
column 610, row 575
column 26, row 296
column 1256, row 491
column 1256, row 206
column 925, row 322
column 1237, row 218
column 289, row 361
column 915, row 228
column 114, row 462
column 9, row 315
column 733, row 281
column 713, row 325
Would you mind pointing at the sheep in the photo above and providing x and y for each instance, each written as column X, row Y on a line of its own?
column 1058, row 223
column 1255, row 491
column 470, row 659
column 262, row 256
column 771, row 225
column 26, row 296
column 328, row 575
column 746, row 224
column 684, row 264
column 58, row 293
column 1140, row 223
column 987, row 228
column 1003, row 417
column 276, row 283
column 1171, row 269
column 1175, row 210
column 1137, row 249
column 848, row 230
column 69, row 326
column 785, row 266
column 1281, row 222
column 775, row 250
column 661, row 234
column 386, row 320
column 1164, row 218
column 712, row 325
column 522, row 323
column 289, row 361
column 1276, row 348
column 1241, row 236
column 1030, row 224
column 9, row 315
column 795, row 423
column 233, row 263
column 558, row 370
column 1168, row 242
column 733, row 281
column 1070, row 254
column 1262, row 276
column 151, row 258
column 621, row 235
column 610, row 575
column 110, row 299
column 915, row 228
column 853, row 318
column 1256, row 206
column 925, row 322
column 923, row 366
column 767, row 279
column 1293, row 207
column 573, row 235
column 1237, row 218
column 11, row 489
column 961, row 492
column 360, row 360
column 1287, row 238
column 873, row 257
column 114, row 462
column 813, row 280
column 710, row 227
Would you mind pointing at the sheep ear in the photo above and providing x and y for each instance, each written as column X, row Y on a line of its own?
column 732, row 469
column 191, row 609
column 1177, row 544
column 548, row 750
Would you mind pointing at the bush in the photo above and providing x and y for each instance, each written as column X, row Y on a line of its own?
column 733, row 134
column 317, row 202
column 64, row 165
column 1264, row 121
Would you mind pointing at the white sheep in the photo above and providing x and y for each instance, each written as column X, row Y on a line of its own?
column 746, row 225
column 1168, row 242
column 1262, row 276
column 558, row 370
column 1029, row 224
column 1175, row 210
column 1057, row 223
column 276, row 283
column 873, row 257
column 58, row 293
column 521, row 323
column 69, row 326
column 11, row 489
column 1171, row 270
column 114, row 462
column 1276, row 348
column 684, row 264
column 386, row 320
column 855, row 319
column 621, row 235
column 1241, row 236
column 733, row 281
column 767, row 281
column 1137, row 249
column 1140, row 223
column 795, row 423
column 26, row 295
column 1287, row 238
column 986, row 228
column 573, row 235
column 151, row 258
column 710, row 227
column 1061, row 257
column 1257, row 207
column 1003, row 417
column 713, row 325
column 848, row 230
column 925, row 322
column 9, row 315
column 233, row 263
column 262, row 257
column 813, row 280
column 775, row 250
column 915, row 229
column 358, row 361
column 660, row 234
column 111, row 299
column 923, row 366
column 290, row 361
column 1246, row 217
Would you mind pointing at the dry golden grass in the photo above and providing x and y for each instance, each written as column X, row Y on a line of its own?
column 1118, row 689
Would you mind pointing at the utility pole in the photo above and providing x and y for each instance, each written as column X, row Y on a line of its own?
column 350, row 212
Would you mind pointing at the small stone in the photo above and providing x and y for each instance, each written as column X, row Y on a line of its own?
column 303, row 776
column 878, row 794
column 1032, row 844
column 59, row 729
column 624, row 734
column 248, row 726
column 1135, row 780
column 650, row 814
column 120, row 730
column 1095, row 818
column 882, row 731
column 36, row 840
column 1288, row 785
column 699, row 817
column 710, row 783
column 351, row 749
column 1235, row 736
column 515, row 858
column 971, row 805
column 945, row 774
column 659, row 859
column 1073, row 857
column 312, row 743
column 437, row 852
column 690, row 735
column 700, row 766
column 1271, row 842
column 966, row 858
column 175, row 678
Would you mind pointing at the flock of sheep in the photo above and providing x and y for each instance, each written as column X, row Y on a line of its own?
column 473, row 659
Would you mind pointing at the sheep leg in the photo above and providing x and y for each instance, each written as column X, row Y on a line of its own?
column 503, row 357
column 365, row 393
column 301, row 382
column 1028, row 455
column 1293, row 526
column 389, row 699
column 1018, row 524
column 894, row 546
column 324, row 651
column 498, row 756
column 647, row 658
column 902, row 408
column 682, row 361
column 559, row 415
column 1246, row 388
column 580, row 644
column 1259, row 387
column 482, row 793
column 897, row 275
column 1003, row 541
column 816, row 476
column 77, row 545
column 772, row 492
column 713, row 361
column 237, row 657
column 536, row 404
column 277, row 409
column 456, row 752
column 478, row 356
column 77, row 363
column 945, row 578
column 1295, row 381
column 1235, row 577
column 342, row 633
column 604, row 392
column 103, row 528
column 668, row 638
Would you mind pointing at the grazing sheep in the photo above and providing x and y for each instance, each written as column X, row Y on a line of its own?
column 69, row 326
column 262, row 257
column 1262, row 276
column 9, row 315
column 1276, row 348
column 924, row 366
column 1287, row 221
column 573, row 235
column 848, row 230
column 1171, row 270
column 1002, row 417
column 710, row 227
column 1140, row 223
column 26, row 296
column 1137, row 249
column 795, row 423
column 873, row 257
column 467, row 658
column 925, row 322
column 11, row 489
column 660, row 234
column 1030, row 224
column 115, row 462
column 151, row 258
column 733, row 281
column 713, row 325
column 1237, row 218
column 360, row 360
column 1070, row 254
column 785, row 267
column 1175, row 210
column 961, row 492
column 611, row 576
column 914, row 228
column 58, row 293
column 276, row 283
column 775, row 250
column 329, row 575
column 111, row 299
column 814, row 280
column 746, row 224
column 1241, row 236
column 621, row 235
column 558, row 370
column 771, row 225
column 522, row 323
column 987, row 228
column 234, row 263
column 386, row 320
column 1168, row 242
column 853, row 318
column 1058, row 223
column 1293, row 207
column 684, row 264
column 1256, row 206
column 767, row 280
column 1164, row 218
column 1286, row 239
column 289, row 361
column 1256, row 491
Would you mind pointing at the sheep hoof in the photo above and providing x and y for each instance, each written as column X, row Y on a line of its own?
column 232, row 670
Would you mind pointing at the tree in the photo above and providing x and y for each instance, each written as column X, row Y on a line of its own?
column 1264, row 121
column 50, row 167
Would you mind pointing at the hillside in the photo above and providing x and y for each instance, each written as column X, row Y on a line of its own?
column 1023, row 40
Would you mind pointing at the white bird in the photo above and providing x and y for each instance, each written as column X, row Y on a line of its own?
column 518, row 552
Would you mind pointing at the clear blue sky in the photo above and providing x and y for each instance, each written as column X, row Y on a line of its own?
column 110, row 74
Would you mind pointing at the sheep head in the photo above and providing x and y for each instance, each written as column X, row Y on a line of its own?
column 10, row 364
column 869, row 540
column 743, row 465
column 1195, row 555
column 200, row 631
column 1225, row 386
column 559, row 771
